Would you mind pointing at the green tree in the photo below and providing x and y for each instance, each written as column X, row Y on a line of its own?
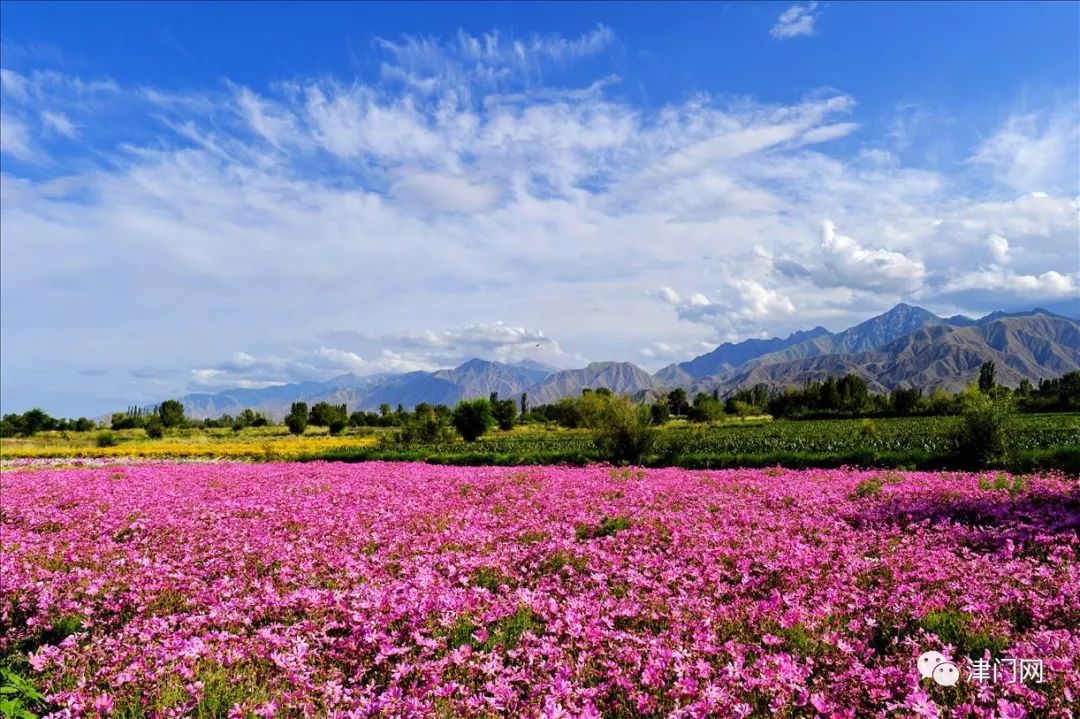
column 472, row 418
column 659, row 413
column 591, row 406
column 524, row 403
column 297, row 418
column 905, row 400
column 384, row 410
column 36, row 420
column 324, row 414
column 505, row 413
column 987, row 376
column 11, row 425
column 171, row 412
column 705, row 409
column 623, row 434
column 678, row 402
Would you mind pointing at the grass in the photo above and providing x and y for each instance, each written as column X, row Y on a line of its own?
column 955, row 628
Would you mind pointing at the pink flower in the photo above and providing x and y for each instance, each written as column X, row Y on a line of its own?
column 1010, row 710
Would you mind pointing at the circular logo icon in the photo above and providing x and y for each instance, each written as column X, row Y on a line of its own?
column 946, row 674
column 928, row 661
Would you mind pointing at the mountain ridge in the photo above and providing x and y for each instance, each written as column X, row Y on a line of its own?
column 906, row 346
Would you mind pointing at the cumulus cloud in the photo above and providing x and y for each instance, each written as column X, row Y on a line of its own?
column 999, row 248
column 796, row 20
column 845, row 263
column 738, row 306
column 993, row 279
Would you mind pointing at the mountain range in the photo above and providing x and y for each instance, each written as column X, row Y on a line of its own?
column 904, row 347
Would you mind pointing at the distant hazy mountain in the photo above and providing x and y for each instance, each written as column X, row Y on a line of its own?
column 475, row 378
column 619, row 377
column 904, row 347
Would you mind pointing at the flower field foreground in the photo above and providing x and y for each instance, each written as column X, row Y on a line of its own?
column 409, row 590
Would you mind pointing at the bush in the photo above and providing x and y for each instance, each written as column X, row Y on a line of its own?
column 427, row 428
column 659, row 413
column 472, row 418
column 297, row 418
column 623, row 434
column 505, row 413
column 337, row 426
column 324, row 414
column 106, row 439
column 155, row 428
column 981, row 437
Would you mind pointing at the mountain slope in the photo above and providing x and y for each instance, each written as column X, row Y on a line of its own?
column 863, row 337
column 619, row 377
column 1034, row 346
column 731, row 355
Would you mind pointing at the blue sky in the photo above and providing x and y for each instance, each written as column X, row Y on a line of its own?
column 202, row 196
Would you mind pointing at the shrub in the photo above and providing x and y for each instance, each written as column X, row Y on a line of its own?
column 623, row 433
column 337, row 426
column 106, row 439
column 472, row 418
column 869, row 431
column 505, row 413
column 980, row 438
column 297, row 418
column 426, row 428
column 324, row 414
column 659, row 413
column 155, row 428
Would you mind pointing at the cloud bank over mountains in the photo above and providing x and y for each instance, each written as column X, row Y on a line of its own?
column 468, row 201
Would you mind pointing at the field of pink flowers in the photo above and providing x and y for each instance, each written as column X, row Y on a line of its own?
column 408, row 590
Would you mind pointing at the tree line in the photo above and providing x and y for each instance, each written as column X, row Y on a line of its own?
column 846, row 396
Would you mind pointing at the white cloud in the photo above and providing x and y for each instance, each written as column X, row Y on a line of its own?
column 58, row 123
column 796, row 20
column 1035, row 152
column 404, row 352
column 999, row 248
column 845, row 263
column 1048, row 285
column 444, row 192
column 668, row 295
column 15, row 139
column 489, row 59
column 326, row 225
